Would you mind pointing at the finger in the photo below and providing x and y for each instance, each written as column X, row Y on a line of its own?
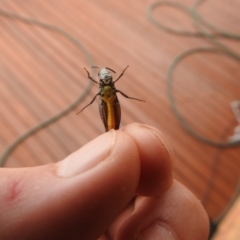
column 76, row 198
column 156, row 159
column 175, row 215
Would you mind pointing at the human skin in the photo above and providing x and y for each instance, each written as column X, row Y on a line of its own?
column 118, row 186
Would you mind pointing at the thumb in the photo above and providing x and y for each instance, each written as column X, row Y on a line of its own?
column 76, row 198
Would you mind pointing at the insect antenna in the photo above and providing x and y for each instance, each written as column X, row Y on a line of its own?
column 110, row 69
column 95, row 67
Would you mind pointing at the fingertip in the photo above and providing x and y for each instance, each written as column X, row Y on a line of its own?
column 109, row 165
column 175, row 214
column 156, row 159
column 189, row 218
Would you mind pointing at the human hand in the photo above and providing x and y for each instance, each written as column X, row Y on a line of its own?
column 118, row 186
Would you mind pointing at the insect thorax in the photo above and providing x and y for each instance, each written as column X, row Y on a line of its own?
column 108, row 93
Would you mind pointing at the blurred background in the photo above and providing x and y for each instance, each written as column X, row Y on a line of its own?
column 41, row 74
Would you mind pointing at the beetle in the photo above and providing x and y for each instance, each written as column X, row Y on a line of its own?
column 109, row 106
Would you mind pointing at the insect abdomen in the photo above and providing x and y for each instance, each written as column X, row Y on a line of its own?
column 111, row 121
column 109, row 114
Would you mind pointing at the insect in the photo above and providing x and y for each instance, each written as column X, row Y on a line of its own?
column 109, row 106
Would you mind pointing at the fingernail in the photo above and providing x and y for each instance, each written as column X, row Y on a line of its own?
column 160, row 136
column 88, row 156
column 157, row 232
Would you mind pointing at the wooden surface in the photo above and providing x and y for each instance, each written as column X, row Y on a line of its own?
column 230, row 227
column 41, row 73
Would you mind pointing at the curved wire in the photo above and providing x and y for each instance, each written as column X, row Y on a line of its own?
column 171, row 97
column 65, row 111
column 210, row 37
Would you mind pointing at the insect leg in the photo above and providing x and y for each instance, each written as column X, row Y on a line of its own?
column 89, row 77
column 121, row 74
column 130, row 97
column 89, row 103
